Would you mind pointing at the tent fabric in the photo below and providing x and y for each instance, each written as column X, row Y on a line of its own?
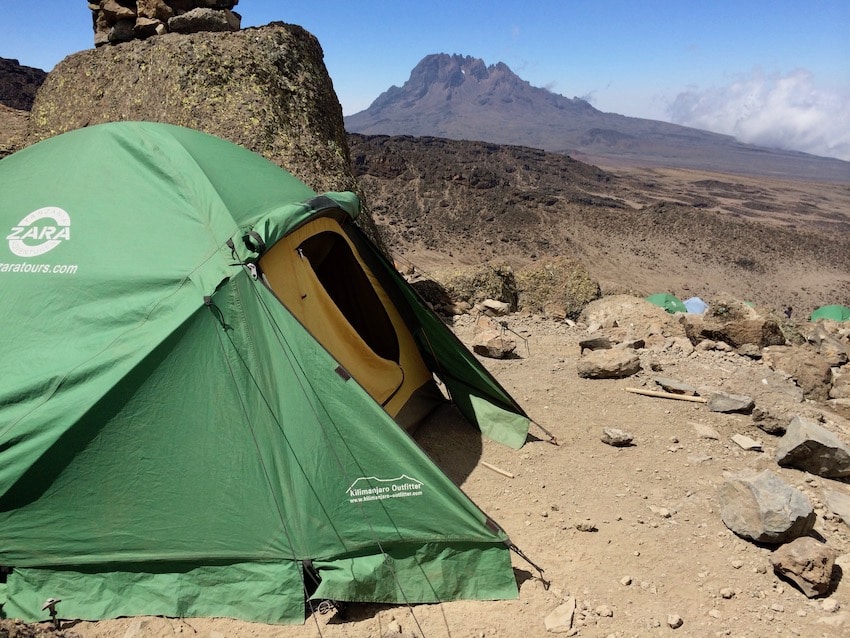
column 670, row 303
column 833, row 312
column 695, row 306
column 173, row 438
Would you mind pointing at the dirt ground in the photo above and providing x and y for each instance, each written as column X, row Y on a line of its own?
column 633, row 534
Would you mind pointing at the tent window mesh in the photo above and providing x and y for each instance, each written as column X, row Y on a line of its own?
column 342, row 277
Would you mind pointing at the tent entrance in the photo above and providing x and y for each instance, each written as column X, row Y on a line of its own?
column 340, row 274
column 318, row 274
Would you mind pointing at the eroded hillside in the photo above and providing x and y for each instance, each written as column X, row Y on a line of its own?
column 445, row 204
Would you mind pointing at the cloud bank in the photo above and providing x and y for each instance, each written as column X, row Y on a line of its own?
column 777, row 111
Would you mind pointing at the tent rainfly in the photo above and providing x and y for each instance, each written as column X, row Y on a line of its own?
column 211, row 375
column 833, row 312
column 670, row 303
column 695, row 306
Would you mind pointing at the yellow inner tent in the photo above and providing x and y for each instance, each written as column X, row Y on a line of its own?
column 317, row 273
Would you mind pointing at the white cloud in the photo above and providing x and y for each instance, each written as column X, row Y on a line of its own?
column 777, row 111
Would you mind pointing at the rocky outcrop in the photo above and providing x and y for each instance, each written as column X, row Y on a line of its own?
column 13, row 123
column 117, row 21
column 736, row 332
column 19, row 84
column 559, row 286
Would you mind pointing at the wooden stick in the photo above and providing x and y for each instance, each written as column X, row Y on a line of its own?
column 668, row 395
column 497, row 469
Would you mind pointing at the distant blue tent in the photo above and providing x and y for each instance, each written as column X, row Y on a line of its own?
column 695, row 305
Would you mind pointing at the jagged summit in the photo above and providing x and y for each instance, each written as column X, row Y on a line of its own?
column 462, row 98
column 443, row 80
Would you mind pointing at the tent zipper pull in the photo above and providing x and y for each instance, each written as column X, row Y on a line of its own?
column 252, row 270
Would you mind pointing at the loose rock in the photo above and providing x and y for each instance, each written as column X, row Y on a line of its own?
column 746, row 443
column 765, row 509
column 724, row 402
column 807, row 563
column 608, row 364
column 810, row 447
column 616, row 437
column 839, row 503
column 491, row 340
column 560, row 620
column 674, row 621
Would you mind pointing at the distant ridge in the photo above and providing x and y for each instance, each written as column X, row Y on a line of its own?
column 460, row 97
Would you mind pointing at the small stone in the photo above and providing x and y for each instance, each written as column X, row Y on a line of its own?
column 605, row 611
column 586, row 526
column 727, row 593
column 706, row 432
column 777, row 607
column 840, row 620
column 830, row 605
column 560, row 620
column 626, row 581
column 616, row 437
column 737, row 564
column 746, row 443
column 674, row 621
column 714, row 613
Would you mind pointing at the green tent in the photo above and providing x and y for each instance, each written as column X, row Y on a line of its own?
column 833, row 312
column 670, row 303
column 174, row 439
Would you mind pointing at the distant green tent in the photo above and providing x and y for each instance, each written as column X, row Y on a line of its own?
column 670, row 303
column 206, row 391
column 833, row 312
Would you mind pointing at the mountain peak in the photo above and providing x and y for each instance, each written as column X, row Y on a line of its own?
column 461, row 98
column 460, row 86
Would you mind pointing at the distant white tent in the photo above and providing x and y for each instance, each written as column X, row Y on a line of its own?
column 695, row 305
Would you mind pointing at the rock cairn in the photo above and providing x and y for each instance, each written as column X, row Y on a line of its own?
column 117, row 21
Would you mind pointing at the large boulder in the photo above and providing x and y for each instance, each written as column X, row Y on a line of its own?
column 807, row 563
column 265, row 88
column 625, row 316
column 736, row 332
column 809, row 369
column 486, row 281
column 812, row 448
column 558, row 285
column 764, row 508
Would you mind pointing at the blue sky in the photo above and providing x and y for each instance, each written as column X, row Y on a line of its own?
column 774, row 72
